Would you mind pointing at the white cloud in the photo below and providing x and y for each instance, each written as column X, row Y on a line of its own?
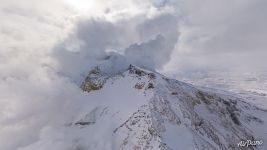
column 46, row 45
column 148, row 35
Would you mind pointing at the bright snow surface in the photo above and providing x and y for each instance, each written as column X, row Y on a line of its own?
column 139, row 109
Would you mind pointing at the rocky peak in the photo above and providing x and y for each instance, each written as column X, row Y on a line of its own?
column 97, row 77
column 94, row 81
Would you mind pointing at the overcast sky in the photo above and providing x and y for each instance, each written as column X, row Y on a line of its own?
column 47, row 47
column 173, row 35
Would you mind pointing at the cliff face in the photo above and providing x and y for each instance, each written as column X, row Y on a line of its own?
column 146, row 110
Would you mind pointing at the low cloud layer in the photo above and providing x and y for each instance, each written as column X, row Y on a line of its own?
column 47, row 48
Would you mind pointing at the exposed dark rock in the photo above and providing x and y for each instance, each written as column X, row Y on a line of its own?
column 94, row 81
column 150, row 86
column 151, row 75
column 234, row 118
column 174, row 93
column 203, row 97
column 84, row 123
column 139, row 85
column 134, row 70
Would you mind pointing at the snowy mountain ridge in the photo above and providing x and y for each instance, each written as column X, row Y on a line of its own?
column 141, row 109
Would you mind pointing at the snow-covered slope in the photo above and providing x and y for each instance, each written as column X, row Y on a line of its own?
column 146, row 110
column 137, row 109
